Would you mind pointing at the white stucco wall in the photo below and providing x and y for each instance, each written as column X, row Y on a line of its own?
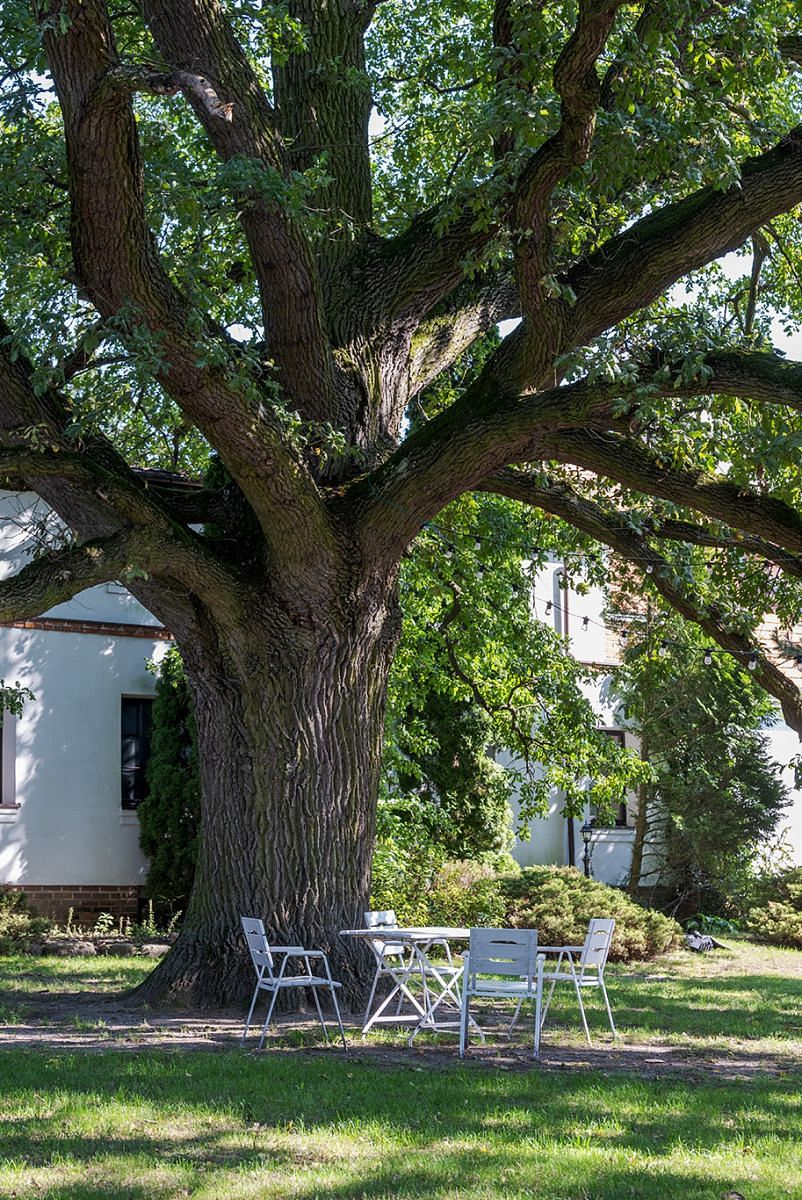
column 62, row 757
column 69, row 826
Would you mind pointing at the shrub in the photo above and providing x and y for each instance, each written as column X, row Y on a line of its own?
column 559, row 902
column 18, row 924
column 779, row 920
column 466, row 893
column 169, row 817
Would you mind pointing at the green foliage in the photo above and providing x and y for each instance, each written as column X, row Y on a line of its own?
column 475, row 668
column 169, row 817
column 559, row 902
column 779, row 920
column 716, row 795
column 454, row 773
column 18, row 925
column 408, row 856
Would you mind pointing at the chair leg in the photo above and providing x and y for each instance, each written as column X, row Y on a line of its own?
column 538, row 1007
column 320, row 1014
column 370, row 998
column 463, row 1022
column 339, row 1018
column 607, row 1002
column 515, row 1015
column 548, row 1002
column 267, row 1018
column 250, row 1015
column 582, row 1010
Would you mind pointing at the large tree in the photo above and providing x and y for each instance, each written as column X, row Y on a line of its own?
column 207, row 246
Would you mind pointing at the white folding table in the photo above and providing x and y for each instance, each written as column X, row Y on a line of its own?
column 439, row 982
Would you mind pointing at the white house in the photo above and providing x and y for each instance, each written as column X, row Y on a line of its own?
column 73, row 763
column 555, row 839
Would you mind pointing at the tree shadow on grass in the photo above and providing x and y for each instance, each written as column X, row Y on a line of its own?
column 736, row 1006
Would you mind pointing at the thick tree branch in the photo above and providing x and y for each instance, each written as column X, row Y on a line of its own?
column 632, row 269
column 485, row 430
column 634, row 465
column 577, row 84
column 57, row 577
column 116, row 260
column 324, row 104
column 608, row 528
column 456, row 325
column 195, row 35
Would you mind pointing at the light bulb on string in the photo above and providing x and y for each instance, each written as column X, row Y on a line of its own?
column 623, row 637
column 708, row 658
column 662, row 649
column 449, row 550
column 477, row 544
column 649, row 568
column 516, row 591
column 480, row 570
column 752, row 663
column 585, row 622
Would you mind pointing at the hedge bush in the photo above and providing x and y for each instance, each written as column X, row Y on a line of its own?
column 779, row 920
column 559, row 902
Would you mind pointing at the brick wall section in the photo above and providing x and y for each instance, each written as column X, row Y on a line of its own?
column 153, row 633
column 86, row 900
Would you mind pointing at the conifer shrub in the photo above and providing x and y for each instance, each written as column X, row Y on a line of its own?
column 169, row 817
column 779, row 920
column 559, row 902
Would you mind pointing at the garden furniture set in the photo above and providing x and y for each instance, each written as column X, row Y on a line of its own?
column 431, row 989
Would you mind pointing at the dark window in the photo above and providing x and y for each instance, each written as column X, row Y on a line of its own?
column 620, row 811
column 135, row 749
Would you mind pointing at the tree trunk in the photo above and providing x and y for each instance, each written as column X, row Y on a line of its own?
column 290, row 726
column 641, row 826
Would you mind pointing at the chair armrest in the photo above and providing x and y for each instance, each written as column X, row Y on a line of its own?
column 296, row 951
column 559, row 949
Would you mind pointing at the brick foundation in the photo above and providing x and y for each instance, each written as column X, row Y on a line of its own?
column 85, row 900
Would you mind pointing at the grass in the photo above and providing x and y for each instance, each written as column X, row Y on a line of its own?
column 163, row 1125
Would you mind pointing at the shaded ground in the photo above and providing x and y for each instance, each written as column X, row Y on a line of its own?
column 734, row 1014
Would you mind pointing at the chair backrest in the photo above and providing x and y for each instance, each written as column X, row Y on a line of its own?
column 502, row 952
column 258, row 945
column 597, row 943
column 383, row 919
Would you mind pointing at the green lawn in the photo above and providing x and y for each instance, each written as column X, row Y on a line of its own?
column 165, row 1124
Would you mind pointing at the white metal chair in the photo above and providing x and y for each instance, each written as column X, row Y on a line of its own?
column 512, row 954
column 393, row 961
column 264, row 956
column 583, row 966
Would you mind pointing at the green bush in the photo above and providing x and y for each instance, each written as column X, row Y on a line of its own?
column 559, row 902
column 18, row 924
column 466, row 893
column 169, row 817
column 779, row 920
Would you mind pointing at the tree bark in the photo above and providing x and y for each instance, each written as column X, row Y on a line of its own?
column 641, row 823
column 290, row 724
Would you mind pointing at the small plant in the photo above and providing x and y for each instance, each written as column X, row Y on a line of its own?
column 104, row 925
column 707, row 923
column 18, row 924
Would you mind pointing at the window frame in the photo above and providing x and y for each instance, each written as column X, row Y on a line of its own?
column 622, row 813
column 131, row 802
